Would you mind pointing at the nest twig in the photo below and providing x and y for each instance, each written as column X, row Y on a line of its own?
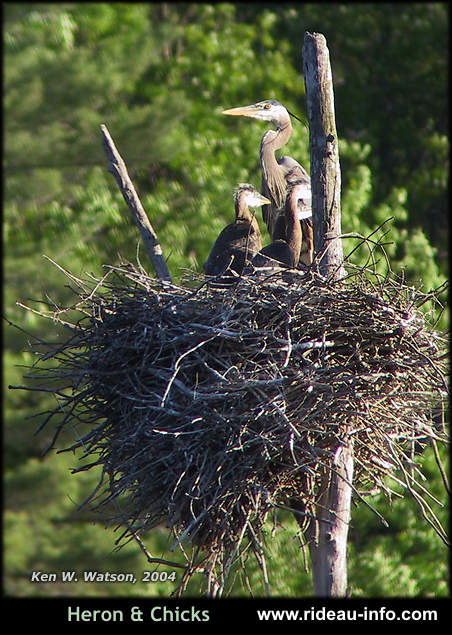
column 207, row 408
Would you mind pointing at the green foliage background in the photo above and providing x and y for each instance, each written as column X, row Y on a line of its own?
column 159, row 75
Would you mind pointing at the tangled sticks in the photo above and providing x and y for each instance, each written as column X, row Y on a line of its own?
column 207, row 408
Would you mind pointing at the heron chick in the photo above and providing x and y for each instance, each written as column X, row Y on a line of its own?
column 239, row 241
column 298, row 233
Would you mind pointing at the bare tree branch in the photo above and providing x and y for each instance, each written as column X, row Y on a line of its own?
column 119, row 170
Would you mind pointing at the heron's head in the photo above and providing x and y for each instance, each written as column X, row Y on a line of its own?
column 267, row 110
column 299, row 195
column 248, row 194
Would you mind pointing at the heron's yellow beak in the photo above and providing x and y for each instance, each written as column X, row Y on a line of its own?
column 247, row 111
column 265, row 201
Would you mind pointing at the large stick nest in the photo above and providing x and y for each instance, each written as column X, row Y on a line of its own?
column 206, row 408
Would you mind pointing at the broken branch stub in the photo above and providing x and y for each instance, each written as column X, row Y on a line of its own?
column 118, row 168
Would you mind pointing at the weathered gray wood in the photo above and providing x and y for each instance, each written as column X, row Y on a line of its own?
column 328, row 531
column 325, row 168
column 118, row 168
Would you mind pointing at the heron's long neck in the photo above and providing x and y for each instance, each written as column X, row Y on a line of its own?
column 242, row 211
column 271, row 171
column 294, row 234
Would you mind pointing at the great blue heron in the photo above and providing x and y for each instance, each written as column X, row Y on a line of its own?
column 275, row 173
column 241, row 240
column 286, row 252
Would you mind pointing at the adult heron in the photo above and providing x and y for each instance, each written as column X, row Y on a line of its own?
column 239, row 241
column 298, row 233
column 276, row 173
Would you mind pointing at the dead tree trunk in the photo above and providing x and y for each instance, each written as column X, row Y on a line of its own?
column 325, row 168
column 328, row 529
column 118, row 168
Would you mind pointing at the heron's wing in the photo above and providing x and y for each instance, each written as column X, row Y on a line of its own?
column 274, row 183
column 277, row 254
column 274, row 188
column 292, row 169
column 236, row 244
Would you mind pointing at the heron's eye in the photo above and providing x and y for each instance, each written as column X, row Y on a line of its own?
column 267, row 106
